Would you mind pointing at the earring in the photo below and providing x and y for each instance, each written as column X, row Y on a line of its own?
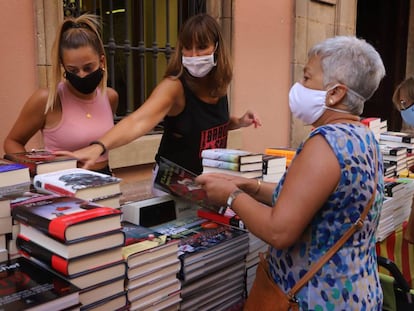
column 331, row 101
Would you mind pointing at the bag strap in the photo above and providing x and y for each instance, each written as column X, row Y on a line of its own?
column 356, row 226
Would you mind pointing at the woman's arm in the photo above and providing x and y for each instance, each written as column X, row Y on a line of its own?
column 245, row 120
column 31, row 119
column 113, row 99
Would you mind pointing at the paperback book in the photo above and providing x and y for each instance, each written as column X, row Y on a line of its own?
column 232, row 155
column 82, row 183
column 66, row 218
column 14, row 178
column 233, row 166
column 26, row 286
column 42, row 161
column 176, row 180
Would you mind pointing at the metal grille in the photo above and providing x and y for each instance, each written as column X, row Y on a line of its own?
column 139, row 37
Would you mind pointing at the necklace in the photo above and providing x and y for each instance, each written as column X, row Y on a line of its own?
column 88, row 115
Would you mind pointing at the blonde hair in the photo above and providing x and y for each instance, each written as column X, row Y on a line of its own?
column 84, row 30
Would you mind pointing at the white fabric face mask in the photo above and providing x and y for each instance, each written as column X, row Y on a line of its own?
column 199, row 66
column 307, row 104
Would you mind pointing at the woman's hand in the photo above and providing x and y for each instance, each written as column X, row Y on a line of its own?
column 86, row 156
column 248, row 119
column 217, row 186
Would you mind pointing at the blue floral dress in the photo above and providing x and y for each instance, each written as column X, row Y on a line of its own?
column 349, row 280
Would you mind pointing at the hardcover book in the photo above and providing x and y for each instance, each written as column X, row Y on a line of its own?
column 394, row 151
column 27, row 286
column 178, row 181
column 397, row 137
column 72, row 267
column 116, row 302
column 232, row 155
column 42, row 161
column 66, row 218
column 137, row 234
column 233, row 166
column 82, row 183
column 227, row 219
column 273, row 164
column 105, row 240
column 249, row 174
column 14, row 178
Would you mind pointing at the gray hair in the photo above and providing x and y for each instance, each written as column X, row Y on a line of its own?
column 353, row 62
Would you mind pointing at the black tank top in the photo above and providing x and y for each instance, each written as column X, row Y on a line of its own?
column 199, row 126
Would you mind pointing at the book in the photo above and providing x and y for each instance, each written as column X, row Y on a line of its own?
column 151, row 299
column 232, row 165
column 71, row 267
column 117, row 302
column 14, row 178
column 42, row 161
column 371, row 122
column 27, row 286
column 82, row 183
column 66, row 218
column 231, row 155
column 5, row 207
column 231, row 220
column 287, row 152
column 397, row 137
column 273, row 164
column 99, row 291
column 171, row 302
column 249, row 174
column 136, row 234
column 205, row 246
column 393, row 151
column 176, row 180
column 90, row 278
column 106, row 240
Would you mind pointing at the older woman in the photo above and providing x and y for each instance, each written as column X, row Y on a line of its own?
column 327, row 186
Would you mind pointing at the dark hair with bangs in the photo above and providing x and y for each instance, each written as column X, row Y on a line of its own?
column 202, row 30
column 74, row 33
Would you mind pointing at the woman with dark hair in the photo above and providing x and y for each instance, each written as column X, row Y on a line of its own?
column 191, row 99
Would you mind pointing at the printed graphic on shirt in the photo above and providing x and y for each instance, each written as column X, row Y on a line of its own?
column 215, row 137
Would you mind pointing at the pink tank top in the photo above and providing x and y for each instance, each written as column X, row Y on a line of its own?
column 82, row 121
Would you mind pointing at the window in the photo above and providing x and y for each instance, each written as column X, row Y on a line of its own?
column 139, row 37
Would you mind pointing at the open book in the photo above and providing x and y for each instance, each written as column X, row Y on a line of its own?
column 178, row 181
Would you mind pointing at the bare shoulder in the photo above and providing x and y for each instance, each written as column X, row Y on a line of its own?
column 37, row 101
column 113, row 98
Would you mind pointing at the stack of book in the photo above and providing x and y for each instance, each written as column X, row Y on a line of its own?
column 376, row 125
column 152, row 268
column 81, row 183
column 14, row 178
column 273, row 167
column 232, row 161
column 394, row 159
column 5, row 227
column 27, row 286
column 42, row 161
column 79, row 241
column 256, row 246
column 397, row 206
column 287, row 152
column 208, row 252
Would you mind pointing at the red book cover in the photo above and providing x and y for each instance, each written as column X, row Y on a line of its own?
column 41, row 161
column 232, row 220
column 67, row 218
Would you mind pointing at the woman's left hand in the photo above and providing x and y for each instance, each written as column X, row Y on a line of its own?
column 217, row 186
column 248, row 119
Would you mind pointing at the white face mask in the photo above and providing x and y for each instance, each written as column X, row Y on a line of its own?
column 308, row 104
column 199, row 66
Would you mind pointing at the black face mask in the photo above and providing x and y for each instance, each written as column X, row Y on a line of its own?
column 87, row 84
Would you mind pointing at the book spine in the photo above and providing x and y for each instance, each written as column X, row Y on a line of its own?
column 221, row 164
column 234, row 221
column 30, row 249
column 396, row 138
column 24, row 215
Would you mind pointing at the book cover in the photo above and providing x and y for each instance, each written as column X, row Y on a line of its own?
column 66, row 218
column 231, row 155
column 231, row 220
column 14, row 178
column 205, row 245
column 25, row 285
column 394, row 151
column 137, row 233
column 82, row 183
column 176, row 180
column 72, row 267
column 42, row 161
column 233, row 166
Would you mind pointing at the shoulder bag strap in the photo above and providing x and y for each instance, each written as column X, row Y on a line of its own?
column 356, row 226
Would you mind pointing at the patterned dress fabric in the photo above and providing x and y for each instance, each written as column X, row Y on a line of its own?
column 349, row 280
